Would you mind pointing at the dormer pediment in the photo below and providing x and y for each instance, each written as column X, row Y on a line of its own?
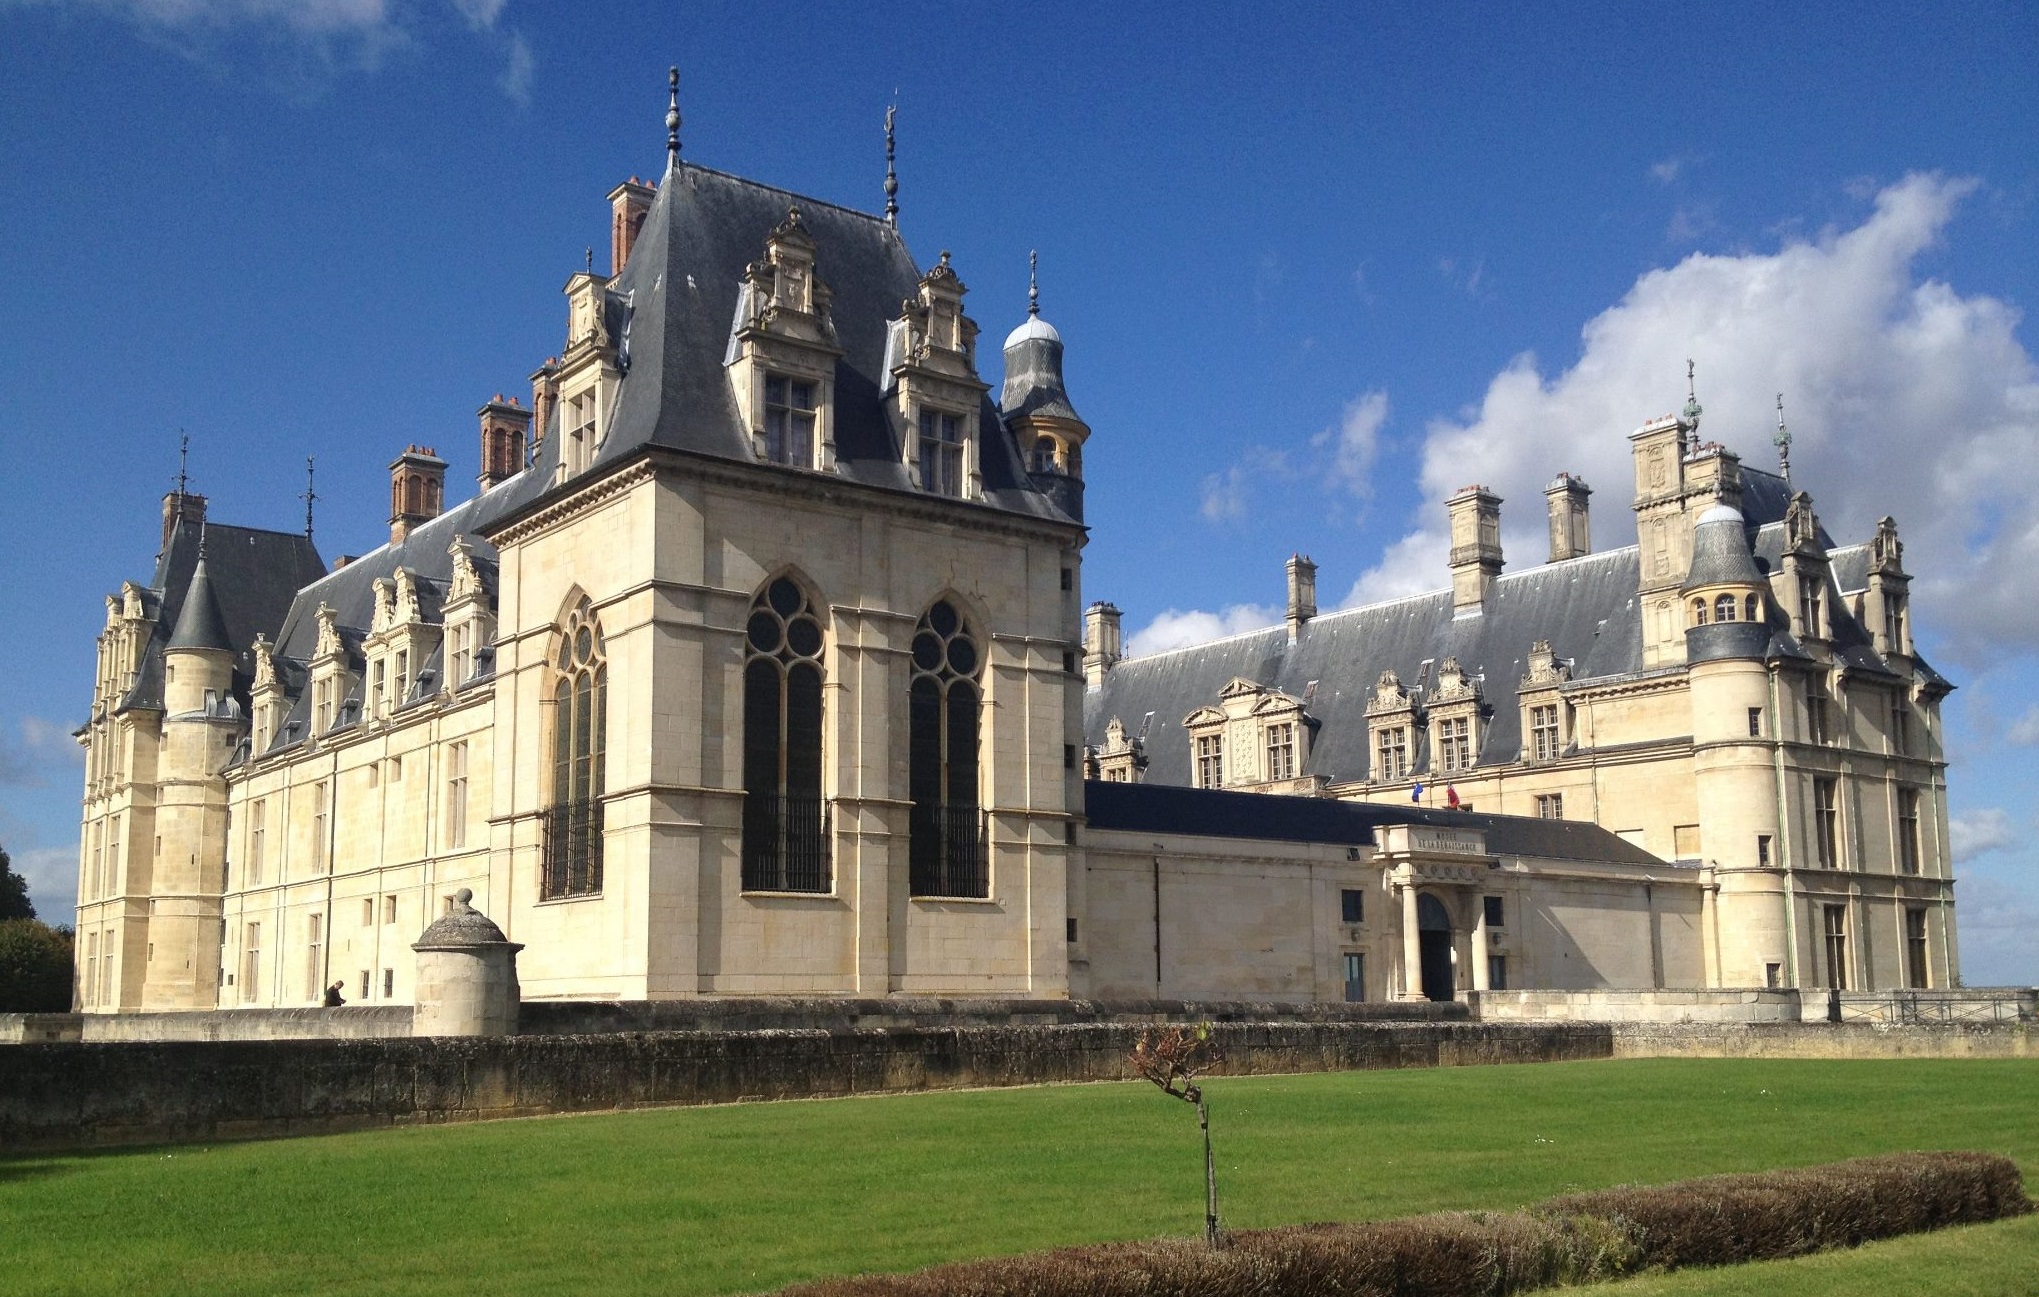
column 1240, row 685
column 1454, row 685
column 329, row 646
column 784, row 299
column 1389, row 695
column 1546, row 670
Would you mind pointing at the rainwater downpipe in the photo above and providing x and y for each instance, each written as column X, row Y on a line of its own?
column 1783, row 836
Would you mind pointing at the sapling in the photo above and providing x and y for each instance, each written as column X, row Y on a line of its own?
column 1172, row 1058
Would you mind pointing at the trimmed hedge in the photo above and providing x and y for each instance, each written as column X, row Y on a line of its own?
column 1579, row 1238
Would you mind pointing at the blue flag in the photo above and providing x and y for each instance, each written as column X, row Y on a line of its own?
column 1416, row 793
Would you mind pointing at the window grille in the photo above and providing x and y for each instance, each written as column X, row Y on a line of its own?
column 785, row 820
column 580, row 706
column 946, row 852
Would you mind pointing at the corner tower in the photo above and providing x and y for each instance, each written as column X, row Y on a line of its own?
column 1036, row 407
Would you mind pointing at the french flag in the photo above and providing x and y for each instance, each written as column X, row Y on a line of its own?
column 1451, row 796
column 1416, row 794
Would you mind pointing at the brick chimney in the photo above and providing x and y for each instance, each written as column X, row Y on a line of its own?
column 417, row 490
column 544, row 398
column 1475, row 548
column 629, row 204
column 1569, row 534
column 504, row 427
column 181, row 504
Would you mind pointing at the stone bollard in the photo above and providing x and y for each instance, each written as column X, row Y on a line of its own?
column 467, row 975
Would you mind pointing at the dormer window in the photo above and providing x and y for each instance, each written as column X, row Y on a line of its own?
column 789, row 421
column 580, row 431
column 941, row 452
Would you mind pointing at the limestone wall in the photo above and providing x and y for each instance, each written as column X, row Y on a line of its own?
column 100, row 1094
column 1824, row 1040
column 1750, row 1005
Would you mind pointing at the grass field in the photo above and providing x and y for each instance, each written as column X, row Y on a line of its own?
column 737, row 1199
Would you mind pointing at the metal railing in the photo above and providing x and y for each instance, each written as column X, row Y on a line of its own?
column 1928, row 1008
column 947, row 854
column 785, row 844
column 573, row 850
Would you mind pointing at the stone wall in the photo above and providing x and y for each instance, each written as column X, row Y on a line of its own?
column 1824, row 1040
column 61, row 1096
column 1749, row 1005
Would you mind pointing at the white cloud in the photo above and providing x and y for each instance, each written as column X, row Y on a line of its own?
column 517, row 68
column 2025, row 730
column 1667, row 171
column 1355, row 442
column 1904, row 397
column 1977, row 832
column 1177, row 628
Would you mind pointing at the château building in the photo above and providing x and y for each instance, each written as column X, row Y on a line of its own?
column 757, row 663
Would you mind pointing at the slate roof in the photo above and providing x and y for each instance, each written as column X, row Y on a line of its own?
column 1586, row 607
column 676, row 304
column 1206, row 812
column 254, row 574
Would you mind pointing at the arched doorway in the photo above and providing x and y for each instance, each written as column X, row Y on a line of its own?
column 1433, row 928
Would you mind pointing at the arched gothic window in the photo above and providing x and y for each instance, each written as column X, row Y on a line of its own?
column 785, row 821
column 1724, row 608
column 580, row 706
column 947, row 852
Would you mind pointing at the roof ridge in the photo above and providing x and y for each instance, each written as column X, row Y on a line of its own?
column 1384, row 603
column 872, row 217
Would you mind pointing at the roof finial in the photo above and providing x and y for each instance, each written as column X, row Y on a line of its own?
column 673, row 119
column 201, row 540
column 1692, row 406
column 183, row 451
column 309, row 495
column 891, row 176
column 1782, row 441
column 1033, row 283
column 589, row 263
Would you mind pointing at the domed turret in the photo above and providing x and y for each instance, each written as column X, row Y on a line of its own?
column 1037, row 408
column 1724, row 591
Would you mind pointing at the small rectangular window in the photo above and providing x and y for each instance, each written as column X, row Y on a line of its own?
column 1069, row 664
column 364, row 984
column 1908, row 830
column 367, row 915
column 1497, row 972
column 1773, row 975
column 1069, row 756
column 389, row 909
column 1069, row 833
column 1826, row 813
column 1837, row 946
column 388, row 983
column 1071, row 922
column 1918, row 973
column 1351, row 905
column 1497, row 915
column 1355, row 977
column 1762, row 851
column 1068, row 578
column 1755, row 722
column 1685, row 841
column 1550, row 806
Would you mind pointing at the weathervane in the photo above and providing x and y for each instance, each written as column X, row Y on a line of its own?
column 183, row 451
column 1033, row 283
column 1692, row 406
column 673, row 119
column 891, row 176
column 309, row 495
column 1782, row 441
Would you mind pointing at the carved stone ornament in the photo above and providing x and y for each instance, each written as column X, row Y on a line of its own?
column 329, row 645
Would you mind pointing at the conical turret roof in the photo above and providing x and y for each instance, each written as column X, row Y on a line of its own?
column 200, row 624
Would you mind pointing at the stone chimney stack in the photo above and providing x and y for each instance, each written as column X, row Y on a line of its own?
column 1475, row 548
column 629, row 204
column 1302, row 593
column 504, row 427
column 417, row 490
column 1569, row 534
column 184, row 505
column 1101, row 642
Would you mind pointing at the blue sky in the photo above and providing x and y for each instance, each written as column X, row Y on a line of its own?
column 1316, row 268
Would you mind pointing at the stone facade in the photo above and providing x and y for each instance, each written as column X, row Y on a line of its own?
column 758, row 666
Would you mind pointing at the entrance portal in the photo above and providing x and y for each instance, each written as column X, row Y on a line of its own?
column 1433, row 928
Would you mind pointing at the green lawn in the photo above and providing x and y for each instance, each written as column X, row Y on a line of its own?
column 735, row 1199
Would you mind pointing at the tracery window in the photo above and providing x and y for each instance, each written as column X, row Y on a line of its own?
column 785, row 821
column 580, row 706
column 946, row 855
